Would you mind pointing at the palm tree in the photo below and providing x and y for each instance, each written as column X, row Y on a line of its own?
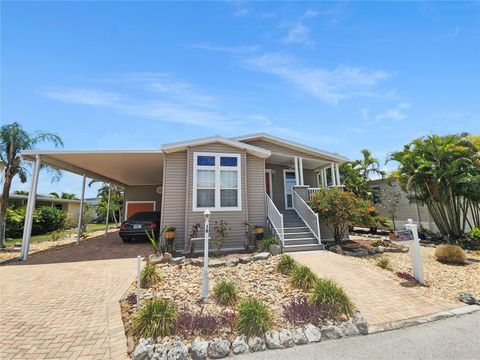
column 14, row 139
column 368, row 165
column 116, row 197
column 64, row 195
column 443, row 172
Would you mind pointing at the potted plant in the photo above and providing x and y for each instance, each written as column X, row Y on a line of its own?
column 170, row 232
column 259, row 230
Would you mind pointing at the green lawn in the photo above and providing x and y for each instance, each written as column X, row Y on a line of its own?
column 46, row 237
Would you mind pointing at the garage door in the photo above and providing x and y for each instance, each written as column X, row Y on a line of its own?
column 137, row 206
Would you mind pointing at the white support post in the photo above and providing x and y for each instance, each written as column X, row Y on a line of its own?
column 325, row 180
column 300, row 169
column 337, row 171
column 80, row 213
column 32, row 196
column 297, row 176
column 415, row 254
column 108, row 208
column 332, row 171
column 204, row 291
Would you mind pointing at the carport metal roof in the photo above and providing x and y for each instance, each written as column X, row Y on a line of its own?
column 120, row 167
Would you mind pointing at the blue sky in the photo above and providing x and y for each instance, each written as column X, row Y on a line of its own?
column 342, row 76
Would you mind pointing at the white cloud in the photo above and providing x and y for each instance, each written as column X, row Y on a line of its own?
column 397, row 113
column 299, row 34
column 328, row 85
column 240, row 12
column 228, row 49
column 364, row 112
column 82, row 96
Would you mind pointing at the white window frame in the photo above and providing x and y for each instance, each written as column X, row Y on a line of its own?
column 217, row 168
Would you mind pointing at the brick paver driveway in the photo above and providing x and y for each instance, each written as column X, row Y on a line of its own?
column 378, row 297
column 63, row 303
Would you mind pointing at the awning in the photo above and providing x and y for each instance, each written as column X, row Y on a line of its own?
column 120, row 167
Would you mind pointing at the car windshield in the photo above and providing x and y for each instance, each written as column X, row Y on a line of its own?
column 146, row 215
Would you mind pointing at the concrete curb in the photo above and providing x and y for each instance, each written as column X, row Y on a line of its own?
column 394, row 325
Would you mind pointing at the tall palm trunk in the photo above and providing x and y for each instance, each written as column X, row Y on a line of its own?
column 3, row 206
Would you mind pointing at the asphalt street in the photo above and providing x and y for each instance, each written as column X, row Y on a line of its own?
column 455, row 338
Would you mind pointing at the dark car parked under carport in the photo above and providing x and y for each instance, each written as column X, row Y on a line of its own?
column 138, row 224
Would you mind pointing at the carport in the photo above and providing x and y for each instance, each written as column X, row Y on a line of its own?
column 128, row 169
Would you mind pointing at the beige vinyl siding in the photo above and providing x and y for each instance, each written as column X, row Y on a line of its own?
column 235, row 219
column 278, row 182
column 173, row 210
column 256, row 190
column 276, row 148
column 144, row 193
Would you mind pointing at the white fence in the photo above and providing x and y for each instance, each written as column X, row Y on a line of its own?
column 276, row 218
column 309, row 217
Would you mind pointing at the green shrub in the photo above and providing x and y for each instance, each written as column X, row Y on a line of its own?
column 331, row 296
column 450, row 254
column 384, row 263
column 155, row 318
column 49, row 219
column 265, row 243
column 303, row 277
column 254, row 317
column 286, row 264
column 475, row 233
column 149, row 276
column 14, row 222
column 225, row 293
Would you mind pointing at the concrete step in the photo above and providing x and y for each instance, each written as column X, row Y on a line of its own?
column 304, row 235
column 307, row 247
column 296, row 229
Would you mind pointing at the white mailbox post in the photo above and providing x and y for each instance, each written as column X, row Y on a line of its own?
column 204, row 293
column 415, row 254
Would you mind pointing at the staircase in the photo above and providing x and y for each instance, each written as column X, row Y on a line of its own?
column 298, row 236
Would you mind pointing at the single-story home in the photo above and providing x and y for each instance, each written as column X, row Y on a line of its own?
column 259, row 179
column 70, row 206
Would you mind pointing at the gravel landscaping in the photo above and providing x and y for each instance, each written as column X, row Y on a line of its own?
column 443, row 280
column 254, row 277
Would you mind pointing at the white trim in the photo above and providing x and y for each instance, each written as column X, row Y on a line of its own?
column 337, row 173
column 138, row 202
column 217, row 168
column 183, row 145
column 293, row 145
column 300, row 169
column 269, row 171
column 285, row 188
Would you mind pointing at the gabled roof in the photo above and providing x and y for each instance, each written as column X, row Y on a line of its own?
column 293, row 145
column 183, row 145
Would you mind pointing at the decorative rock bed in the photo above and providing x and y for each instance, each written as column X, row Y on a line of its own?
column 218, row 348
column 265, row 283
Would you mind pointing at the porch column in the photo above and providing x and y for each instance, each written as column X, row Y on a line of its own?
column 80, row 213
column 337, row 170
column 297, row 182
column 300, row 169
column 108, row 208
column 332, row 172
column 32, row 196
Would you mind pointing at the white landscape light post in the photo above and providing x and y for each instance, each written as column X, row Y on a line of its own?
column 204, row 293
column 139, row 267
column 415, row 254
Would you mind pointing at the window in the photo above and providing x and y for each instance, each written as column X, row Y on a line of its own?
column 216, row 182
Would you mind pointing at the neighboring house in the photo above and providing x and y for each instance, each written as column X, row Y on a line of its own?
column 258, row 178
column 71, row 207
column 407, row 209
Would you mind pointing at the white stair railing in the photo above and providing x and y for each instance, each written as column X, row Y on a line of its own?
column 309, row 217
column 276, row 218
column 311, row 191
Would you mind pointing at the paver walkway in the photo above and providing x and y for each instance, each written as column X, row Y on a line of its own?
column 63, row 303
column 379, row 298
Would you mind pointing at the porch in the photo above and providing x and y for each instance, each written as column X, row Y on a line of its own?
column 290, row 181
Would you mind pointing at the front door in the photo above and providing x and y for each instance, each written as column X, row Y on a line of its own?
column 289, row 183
column 268, row 182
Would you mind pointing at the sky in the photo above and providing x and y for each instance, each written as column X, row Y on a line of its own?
column 339, row 76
